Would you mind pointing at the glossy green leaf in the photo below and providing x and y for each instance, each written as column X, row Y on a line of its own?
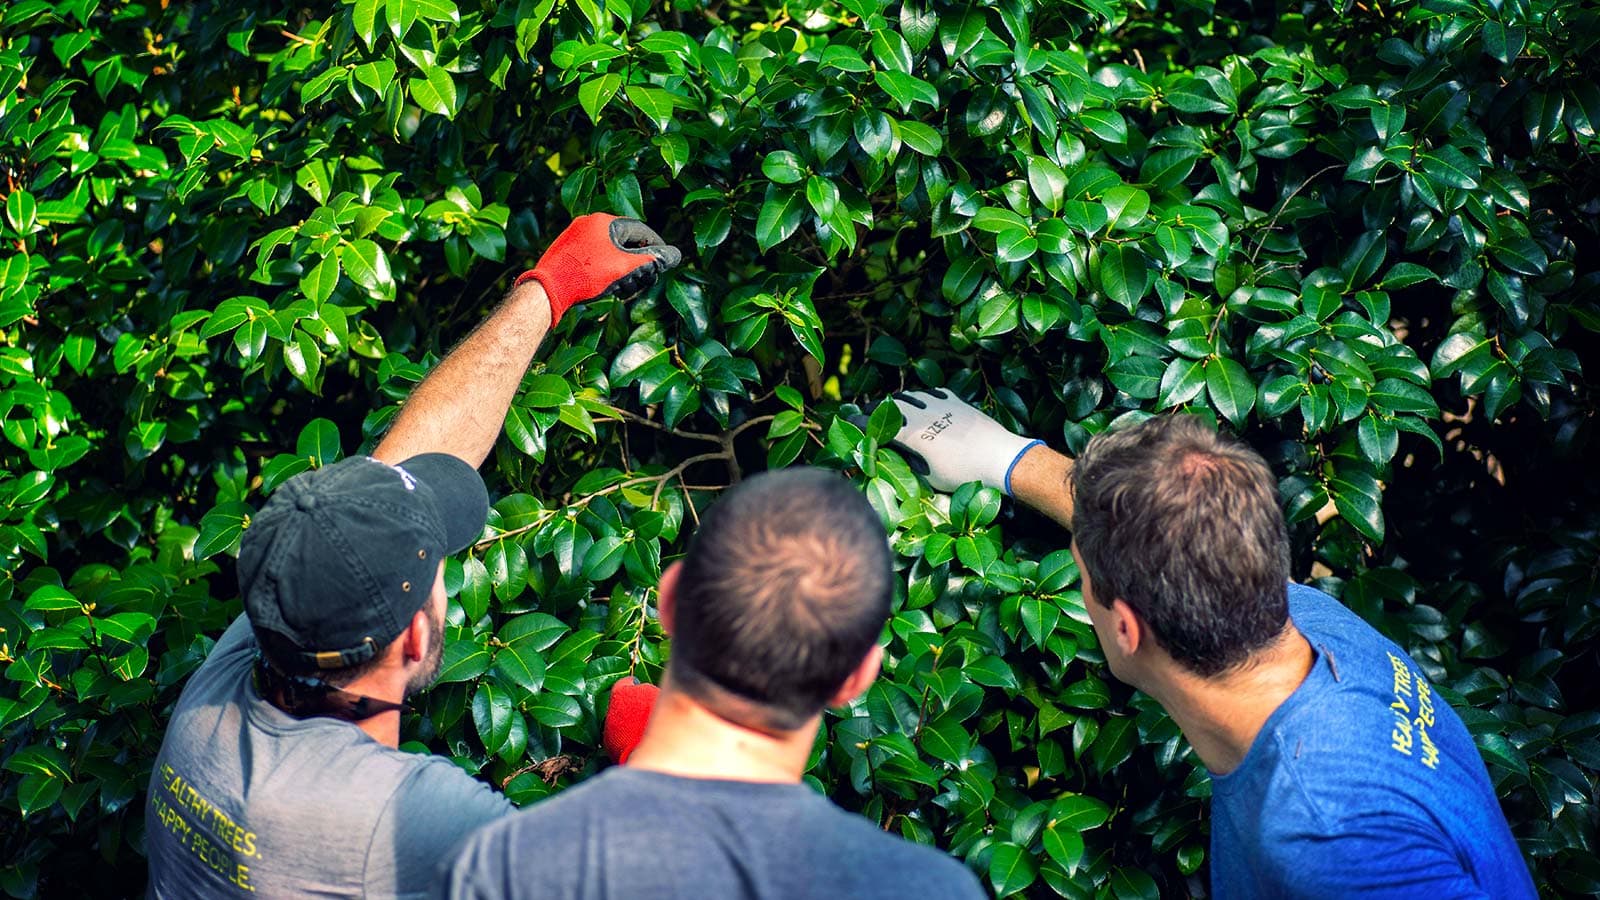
column 1230, row 388
column 36, row 793
column 463, row 660
column 1503, row 42
column 946, row 741
column 1124, row 274
column 1451, row 167
column 1106, row 124
column 522, row 666
column 919, row 137
column 594, row 93
column 318, row 284
column 1360, row 502
column 221, row 528
column 491, row 713
column 319, row 443
column 1011, row 869
column 1133, row 884
column 555, row 710
column 1049, row 183
column 781, row 214
column 366, row 264
column 656, row 104
column 783, row 167
column 435, row 91
column 52, row 598
column 544, row 391
column 1182, row 381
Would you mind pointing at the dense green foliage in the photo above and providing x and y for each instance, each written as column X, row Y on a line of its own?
column 1360, row 234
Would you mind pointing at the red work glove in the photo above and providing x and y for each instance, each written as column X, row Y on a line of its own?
column 631, row 703
column 600, row 254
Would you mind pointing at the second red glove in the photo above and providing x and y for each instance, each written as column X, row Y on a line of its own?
column 631, row 703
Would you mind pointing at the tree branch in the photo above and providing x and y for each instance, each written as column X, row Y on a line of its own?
column 725, row 452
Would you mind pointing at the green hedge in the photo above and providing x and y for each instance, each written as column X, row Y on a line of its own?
column 1362, row 235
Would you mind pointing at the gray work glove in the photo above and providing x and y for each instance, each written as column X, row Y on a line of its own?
column 952, row 443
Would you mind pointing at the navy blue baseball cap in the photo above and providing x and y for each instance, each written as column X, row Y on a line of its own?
column 340, row 559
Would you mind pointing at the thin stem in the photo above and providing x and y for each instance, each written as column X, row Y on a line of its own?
column 1273, row 222
column 675, row 471
column 626, row 416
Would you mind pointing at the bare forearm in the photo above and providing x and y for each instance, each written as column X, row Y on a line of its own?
column 1039, row 479
column 461, row 406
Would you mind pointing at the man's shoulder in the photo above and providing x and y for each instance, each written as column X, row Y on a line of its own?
column 1365, row 725
column 1366, row 744
column 225, row 668
column 920, row 870
column 432, row 809
column 436, row 781
column 240, row 745
column 603, row 796
column 928, row 872
column 1320, row 615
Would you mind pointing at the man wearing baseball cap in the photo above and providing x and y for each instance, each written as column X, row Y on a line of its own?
column 280, row 773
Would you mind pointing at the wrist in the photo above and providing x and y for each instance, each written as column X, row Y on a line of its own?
column 531, row 303
column 1007, row 482
column 1040, row 479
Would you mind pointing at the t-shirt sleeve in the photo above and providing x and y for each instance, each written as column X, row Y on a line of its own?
column 1376, row 857
column 424, row 822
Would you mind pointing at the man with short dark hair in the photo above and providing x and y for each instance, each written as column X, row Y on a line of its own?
column 280, row 774
column 774, row 614
column 1185, row 526
column 1336, row 770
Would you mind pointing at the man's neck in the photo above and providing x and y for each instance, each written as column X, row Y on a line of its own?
column 305, row 698
column 385, row 726
column 1222, row 715
column 686, row 739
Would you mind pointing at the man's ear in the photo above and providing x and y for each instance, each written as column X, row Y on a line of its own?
column 1126, row 627
column 861, row 678
column 667, row 597
column 414, row 640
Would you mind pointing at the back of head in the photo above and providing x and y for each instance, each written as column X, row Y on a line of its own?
column 784, row 589
column 1184, row 525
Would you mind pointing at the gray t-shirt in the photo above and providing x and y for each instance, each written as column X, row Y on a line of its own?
column 246, row 799
column 628, row 834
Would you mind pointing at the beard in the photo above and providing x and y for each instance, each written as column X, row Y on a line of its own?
column 430, row 669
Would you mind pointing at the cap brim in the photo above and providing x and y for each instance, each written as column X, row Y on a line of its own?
column 459, row 494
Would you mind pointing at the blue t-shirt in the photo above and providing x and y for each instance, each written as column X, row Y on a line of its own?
column 1364, row 782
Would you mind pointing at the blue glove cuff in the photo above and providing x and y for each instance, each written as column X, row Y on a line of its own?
column 1020, row 453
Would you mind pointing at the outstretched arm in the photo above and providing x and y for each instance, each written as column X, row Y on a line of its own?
column 952, row 443
column 461, row 406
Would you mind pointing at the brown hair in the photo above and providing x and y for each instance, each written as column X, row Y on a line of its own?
column 1184, row 525
column 784, row 589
